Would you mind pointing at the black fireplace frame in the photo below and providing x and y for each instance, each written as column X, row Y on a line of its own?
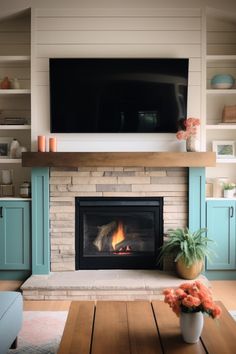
column 101, row 262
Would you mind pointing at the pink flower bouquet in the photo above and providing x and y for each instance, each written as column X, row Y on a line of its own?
column 192, row 297
column 191, row 125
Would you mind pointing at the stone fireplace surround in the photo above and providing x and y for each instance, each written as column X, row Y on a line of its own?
column 178, row 177
column 68, row 183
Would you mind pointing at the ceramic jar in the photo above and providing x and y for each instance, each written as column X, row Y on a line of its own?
column 14, row 146
column 25, row 190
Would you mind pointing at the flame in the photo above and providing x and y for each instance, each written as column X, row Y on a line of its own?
column 118, row 236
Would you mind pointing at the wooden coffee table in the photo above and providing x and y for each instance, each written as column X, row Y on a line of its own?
column 139, row 327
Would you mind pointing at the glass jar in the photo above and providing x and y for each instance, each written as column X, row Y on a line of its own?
column 25, row 190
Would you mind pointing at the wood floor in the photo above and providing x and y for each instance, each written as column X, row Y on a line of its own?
column 224, row 291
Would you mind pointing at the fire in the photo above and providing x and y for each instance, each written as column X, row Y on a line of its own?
column 118, row 236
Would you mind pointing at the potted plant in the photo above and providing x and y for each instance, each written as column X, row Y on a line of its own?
column 229, row 189
column 190, row 134
column 189, row 249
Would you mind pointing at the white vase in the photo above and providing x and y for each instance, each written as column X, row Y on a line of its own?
column 192, row 144
column 191, row 325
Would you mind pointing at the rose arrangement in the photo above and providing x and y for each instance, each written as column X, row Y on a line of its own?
column 192, row 297
column 191, row 125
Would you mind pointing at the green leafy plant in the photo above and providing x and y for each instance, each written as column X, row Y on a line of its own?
column 228, row 186
column 190, row 246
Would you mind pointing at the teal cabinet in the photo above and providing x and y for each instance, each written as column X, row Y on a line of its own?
column 15, row 235
column 221, row 226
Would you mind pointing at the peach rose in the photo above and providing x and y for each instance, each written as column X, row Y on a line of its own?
column 216, row 312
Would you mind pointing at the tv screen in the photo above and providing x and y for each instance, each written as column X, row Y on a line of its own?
column 98, row 95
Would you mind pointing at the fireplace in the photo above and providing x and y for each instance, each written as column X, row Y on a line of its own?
column 118, row 233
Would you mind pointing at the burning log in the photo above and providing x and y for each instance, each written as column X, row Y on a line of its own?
column 124, row 246
column 103, row 239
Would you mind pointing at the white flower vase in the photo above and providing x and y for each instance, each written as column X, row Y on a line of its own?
column 192, row 144
column 191, row 325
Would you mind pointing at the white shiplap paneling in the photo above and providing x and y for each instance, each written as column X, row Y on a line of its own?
column 171, row 33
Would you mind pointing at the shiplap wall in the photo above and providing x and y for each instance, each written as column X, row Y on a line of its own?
column 172, row 33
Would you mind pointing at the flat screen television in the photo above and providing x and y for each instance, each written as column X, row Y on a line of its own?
column 105, row 95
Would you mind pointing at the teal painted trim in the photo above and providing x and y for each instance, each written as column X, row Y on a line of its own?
column 40, row 221
column 14, row 274
column 221, row 275
column 197, row 205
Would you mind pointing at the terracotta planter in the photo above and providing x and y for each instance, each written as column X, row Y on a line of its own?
column 188, row 273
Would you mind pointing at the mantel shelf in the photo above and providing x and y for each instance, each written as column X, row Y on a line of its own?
column 124, row 159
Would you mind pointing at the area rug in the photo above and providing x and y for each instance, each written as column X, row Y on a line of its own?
column 41, row 332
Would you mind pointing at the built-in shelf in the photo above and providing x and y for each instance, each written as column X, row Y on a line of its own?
column 124, row 159
column 221, row 58
column 221, row 91
column 15, row 92
column 14, row 58
column 230, row 160
column 220, row 126
column 10, row 161
column 15, row 127
column 233, row 160
column 14, row 198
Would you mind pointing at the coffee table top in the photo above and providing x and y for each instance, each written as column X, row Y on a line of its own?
column 140, row 327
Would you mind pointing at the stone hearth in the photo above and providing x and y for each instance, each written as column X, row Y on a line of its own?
column 101, row 285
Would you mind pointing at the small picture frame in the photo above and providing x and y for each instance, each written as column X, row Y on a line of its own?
column 5, row 147
column 224, row 149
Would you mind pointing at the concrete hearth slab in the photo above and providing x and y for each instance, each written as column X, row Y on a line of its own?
column 101, row 285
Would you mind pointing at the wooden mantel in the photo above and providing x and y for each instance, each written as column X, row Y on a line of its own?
column 124, row 159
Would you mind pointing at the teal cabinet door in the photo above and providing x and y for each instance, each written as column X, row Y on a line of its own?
column 15, row 235
column 221, row 229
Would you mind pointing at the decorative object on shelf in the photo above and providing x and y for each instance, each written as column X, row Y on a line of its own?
column 7, row 176
column 52, row 144
column 189, row 302
column 14, row 146
column 192, row 144
column 224, row 149
column 41, row 143
column 229, row 190
column 5, row 83
column 229, row 114
column 5, row 147
column 15, row 84
column 25, row 190
column 190, row 257
column 222, row 81
column 218, row 186
column 19, row 151
column 209, row 188
column 6, row 190
column 190, row 134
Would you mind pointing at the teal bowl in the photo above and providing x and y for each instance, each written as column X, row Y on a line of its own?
column 222, row 81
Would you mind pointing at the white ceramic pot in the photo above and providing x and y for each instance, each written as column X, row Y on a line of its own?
column 229, row 193
column 191, row 325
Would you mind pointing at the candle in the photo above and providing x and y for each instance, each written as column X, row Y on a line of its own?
column 52, row 144
column 41, row 143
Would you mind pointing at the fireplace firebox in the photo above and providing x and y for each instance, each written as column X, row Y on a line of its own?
column 118, row 233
